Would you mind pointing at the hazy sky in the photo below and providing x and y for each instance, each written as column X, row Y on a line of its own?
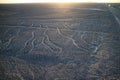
column 30, row 1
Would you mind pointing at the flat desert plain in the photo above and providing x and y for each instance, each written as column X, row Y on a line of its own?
column 77, row 41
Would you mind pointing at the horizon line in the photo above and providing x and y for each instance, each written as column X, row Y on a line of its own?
column 52, row 2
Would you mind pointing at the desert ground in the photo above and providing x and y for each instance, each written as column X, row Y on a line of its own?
column 79, row 41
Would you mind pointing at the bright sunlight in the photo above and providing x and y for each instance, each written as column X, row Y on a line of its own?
column 55, row 1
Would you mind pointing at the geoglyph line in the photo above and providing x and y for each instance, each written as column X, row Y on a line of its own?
column 10, row 40
column 26, row 43
column 49, row 42
column 73, row 41
column 45, row 44
column 32, row 43
column 61, row 29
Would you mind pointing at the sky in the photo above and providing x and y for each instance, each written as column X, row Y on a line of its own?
column 42, row 1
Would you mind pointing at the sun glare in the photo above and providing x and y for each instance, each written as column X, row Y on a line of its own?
column 54, row 1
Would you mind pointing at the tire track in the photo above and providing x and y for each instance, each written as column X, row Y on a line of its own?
column 112, row 10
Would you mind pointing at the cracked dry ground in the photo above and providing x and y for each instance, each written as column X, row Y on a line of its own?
column 60, row 42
